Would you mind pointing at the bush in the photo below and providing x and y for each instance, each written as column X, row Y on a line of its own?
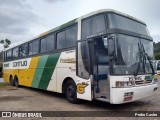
column 157, row 56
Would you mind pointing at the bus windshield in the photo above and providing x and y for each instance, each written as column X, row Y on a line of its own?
column 129, row 57
column 120, row 22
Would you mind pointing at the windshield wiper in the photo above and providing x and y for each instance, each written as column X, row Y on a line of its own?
column 142, row 59
column 146, row 56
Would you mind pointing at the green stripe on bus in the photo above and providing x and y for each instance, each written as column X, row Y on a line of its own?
column 48, row 71
column 39, row 70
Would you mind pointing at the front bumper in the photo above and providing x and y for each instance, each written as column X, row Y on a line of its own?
column 117, row 94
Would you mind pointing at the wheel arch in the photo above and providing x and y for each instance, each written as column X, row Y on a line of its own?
column 15, row 76
column 10, row 76
column 65, row 81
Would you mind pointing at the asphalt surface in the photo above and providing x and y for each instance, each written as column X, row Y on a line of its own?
column 29, row 99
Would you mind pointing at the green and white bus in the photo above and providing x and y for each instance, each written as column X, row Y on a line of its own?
column 104, row 55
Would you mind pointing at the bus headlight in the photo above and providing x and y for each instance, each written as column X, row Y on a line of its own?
column 124, row 83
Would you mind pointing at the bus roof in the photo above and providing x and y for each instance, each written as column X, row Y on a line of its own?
column 76, row 20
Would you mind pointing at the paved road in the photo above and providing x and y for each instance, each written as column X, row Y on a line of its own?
column 29, row 99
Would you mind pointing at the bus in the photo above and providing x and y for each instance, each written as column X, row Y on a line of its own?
column 104, row 55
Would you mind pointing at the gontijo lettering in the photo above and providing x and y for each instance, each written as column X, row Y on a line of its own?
column 20, row 63
column 6, row 65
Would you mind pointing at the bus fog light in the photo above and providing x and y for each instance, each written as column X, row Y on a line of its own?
column 128, row 96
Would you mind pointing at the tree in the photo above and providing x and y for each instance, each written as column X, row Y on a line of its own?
column 5, row 43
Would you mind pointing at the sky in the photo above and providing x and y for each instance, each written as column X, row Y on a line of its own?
column 22, row 20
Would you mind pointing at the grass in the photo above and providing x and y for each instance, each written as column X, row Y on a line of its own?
column 6, row 86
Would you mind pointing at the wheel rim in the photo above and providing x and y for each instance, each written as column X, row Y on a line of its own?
column 71, row 91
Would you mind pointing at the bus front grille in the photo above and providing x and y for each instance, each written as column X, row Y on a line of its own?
column 141, row 82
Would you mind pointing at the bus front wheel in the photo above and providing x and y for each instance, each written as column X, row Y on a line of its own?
column 71, row 92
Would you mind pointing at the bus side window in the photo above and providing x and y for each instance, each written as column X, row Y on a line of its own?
column 93, row 26
column 61, row 40
column 43, row 45
column 50, row 42
column 15, row 52
column 98, row 24
column 30, row 49
column 9, row 54
column 71, row 36
column 35, row 47
column 23, row 50
column 86, row 28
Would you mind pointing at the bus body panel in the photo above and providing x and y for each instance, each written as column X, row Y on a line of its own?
column 84, row 89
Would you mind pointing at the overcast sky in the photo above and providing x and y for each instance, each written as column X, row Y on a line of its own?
column 21, row 20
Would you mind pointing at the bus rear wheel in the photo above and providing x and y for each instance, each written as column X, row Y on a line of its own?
column 16, row 84
column 11, row 81
column 71, row 92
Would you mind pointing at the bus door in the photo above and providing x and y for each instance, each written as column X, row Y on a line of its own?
column 100, row 63
column 83, row 80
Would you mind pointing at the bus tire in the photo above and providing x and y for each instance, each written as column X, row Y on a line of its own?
column 16, row 84
column 71, row 92
column 11, row 81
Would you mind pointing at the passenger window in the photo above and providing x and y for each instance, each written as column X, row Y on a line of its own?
column 30, row 49
column 35, row 47
column 23, row 50
column 9, row 54
column 43, row 45
column 61, row 40
column 15, row 52
column 93, row 26
column 71, row 36
column 86, row 28
column 50, row 42
column 98, row 24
